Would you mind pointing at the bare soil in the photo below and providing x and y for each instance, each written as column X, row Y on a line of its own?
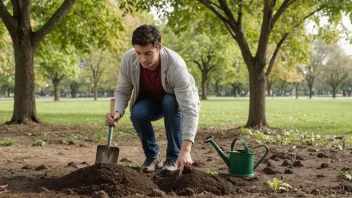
column 65, row 167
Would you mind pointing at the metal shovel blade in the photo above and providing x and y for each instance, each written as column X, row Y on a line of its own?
column 106, row 154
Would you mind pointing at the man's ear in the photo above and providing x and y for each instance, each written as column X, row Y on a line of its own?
column 159, row 47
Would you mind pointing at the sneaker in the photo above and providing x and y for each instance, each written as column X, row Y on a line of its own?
column 170, row 165
column 150, row 165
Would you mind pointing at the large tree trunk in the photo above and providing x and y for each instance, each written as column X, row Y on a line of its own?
column 24, row 106
column 257, row 83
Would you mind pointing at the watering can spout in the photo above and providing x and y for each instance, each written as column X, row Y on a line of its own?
column 217, row 148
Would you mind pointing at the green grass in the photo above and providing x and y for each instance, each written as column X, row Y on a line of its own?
column 326, row 116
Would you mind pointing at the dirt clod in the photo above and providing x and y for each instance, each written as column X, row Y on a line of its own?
column 324, row 165
column 322, row 155
column 297, row 164
column 41, row 167
column 73, row 164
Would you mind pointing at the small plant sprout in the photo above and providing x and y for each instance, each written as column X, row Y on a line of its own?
column 8, row 142
column 212, row 172
column 348, row 176
column 38, row 142
column 278, row 186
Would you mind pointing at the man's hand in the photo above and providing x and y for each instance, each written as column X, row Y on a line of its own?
column 184, row 159
column 112, row 119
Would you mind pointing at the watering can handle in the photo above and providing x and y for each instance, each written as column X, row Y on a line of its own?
column 243, row 142
column 261, row 159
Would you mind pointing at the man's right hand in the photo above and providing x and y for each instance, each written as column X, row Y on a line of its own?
column 112, row 119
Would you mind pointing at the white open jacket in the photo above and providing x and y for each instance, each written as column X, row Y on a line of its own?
column 175, row 80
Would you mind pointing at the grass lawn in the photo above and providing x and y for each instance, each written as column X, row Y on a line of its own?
column 325, row 116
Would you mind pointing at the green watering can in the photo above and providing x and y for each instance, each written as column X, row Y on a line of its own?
column 240, row 162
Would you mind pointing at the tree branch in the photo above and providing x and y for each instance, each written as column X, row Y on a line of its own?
column 6, row 17
column 199, row 65
column 310, row 14
column 272, row 60
column 53, row 21
column 280, row 11
column 228, row 12
column 239, row 19
column 218, row 14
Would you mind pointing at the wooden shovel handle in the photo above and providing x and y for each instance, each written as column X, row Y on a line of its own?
column 112, row 106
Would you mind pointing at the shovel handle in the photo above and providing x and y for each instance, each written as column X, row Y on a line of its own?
column 111, row 128
column 112, row 106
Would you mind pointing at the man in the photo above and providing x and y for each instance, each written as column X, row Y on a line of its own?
column 160, row 85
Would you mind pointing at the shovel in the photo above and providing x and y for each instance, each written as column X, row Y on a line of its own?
column 107, row 153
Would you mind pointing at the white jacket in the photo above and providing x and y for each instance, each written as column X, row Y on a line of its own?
column 175, row 80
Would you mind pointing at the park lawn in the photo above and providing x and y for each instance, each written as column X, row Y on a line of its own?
column 322, row 116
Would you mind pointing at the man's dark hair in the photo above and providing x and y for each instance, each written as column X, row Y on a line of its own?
column 146, row 34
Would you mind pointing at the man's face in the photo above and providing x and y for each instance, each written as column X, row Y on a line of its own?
column 148, row 56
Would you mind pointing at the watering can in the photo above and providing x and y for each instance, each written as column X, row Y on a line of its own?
column 240, row 162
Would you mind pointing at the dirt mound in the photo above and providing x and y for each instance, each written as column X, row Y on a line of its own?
column 193, row 182
column 115, row 180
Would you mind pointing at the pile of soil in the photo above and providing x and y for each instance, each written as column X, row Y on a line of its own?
column 115, row 180
column 193, row 182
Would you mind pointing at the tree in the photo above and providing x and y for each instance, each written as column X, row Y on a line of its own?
column 30, row 21
column 337, row 68
column 316, row 60
column 56, row 63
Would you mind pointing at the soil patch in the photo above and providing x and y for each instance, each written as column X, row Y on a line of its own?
column 115, row 180
column 193, row 182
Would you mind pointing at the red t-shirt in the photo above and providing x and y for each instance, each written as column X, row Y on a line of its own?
column 150, row 82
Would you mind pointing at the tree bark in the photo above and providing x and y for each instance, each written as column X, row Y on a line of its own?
column 24, row 105
column 257, row 117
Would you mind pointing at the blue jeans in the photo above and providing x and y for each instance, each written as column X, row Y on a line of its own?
column 146, row 110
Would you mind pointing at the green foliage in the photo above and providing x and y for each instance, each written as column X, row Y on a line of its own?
column 38, row 142
column 8, row 142
column 348, row 175
column 277, row 185
column 89, row 24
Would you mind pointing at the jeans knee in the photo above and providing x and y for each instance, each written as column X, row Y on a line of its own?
column 169, row 101
column 137, row 116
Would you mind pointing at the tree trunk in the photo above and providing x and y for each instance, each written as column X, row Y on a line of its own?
column 296, row 87
column 310, row 91
column 24, row 106
column 257, row 84
column 333, row 92
column 56, row 89
column 8, row 91
column 204, row 87
column 95, row 91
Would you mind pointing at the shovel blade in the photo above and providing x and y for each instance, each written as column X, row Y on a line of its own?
column 106, row 154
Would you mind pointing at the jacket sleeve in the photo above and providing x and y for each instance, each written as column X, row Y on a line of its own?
column 188, row 100
column 124, row 88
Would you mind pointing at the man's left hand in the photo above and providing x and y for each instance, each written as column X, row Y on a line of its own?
column 184, row 159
